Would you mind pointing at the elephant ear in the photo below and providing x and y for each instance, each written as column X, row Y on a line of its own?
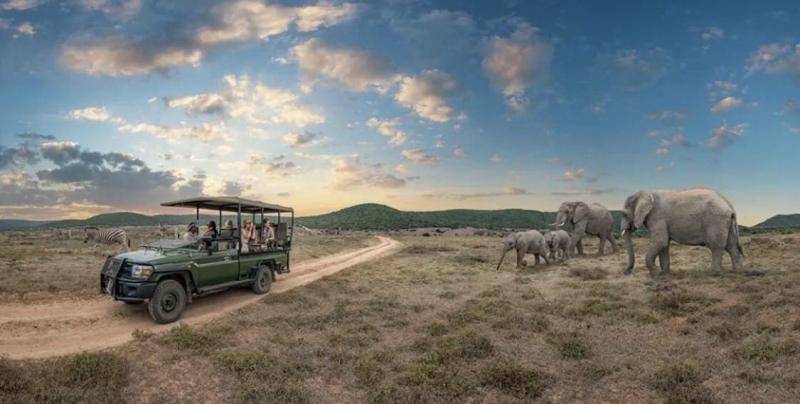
column 581, row 212
column 644, row 204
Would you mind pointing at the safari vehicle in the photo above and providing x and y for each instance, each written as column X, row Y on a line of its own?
column 168, row 273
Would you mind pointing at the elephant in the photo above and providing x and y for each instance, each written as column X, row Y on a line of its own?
column 557, row 240
column 593, row 219
column 695, row 217
column 525, row 242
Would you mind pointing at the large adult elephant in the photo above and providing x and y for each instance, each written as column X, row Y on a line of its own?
column 525, row 242
column 593, row 219
column 697, row 216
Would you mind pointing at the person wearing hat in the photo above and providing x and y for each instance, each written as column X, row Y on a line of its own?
column 191, row 232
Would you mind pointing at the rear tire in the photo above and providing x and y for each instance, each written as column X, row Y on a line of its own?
column 263, row 280
column 168, row 302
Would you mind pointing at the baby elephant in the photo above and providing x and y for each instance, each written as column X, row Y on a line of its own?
column 557, row 240
column 525, row 242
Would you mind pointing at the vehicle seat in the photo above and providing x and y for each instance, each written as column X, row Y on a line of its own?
column 281, row 234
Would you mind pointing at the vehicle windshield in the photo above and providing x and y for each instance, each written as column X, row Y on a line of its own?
column 166, row 244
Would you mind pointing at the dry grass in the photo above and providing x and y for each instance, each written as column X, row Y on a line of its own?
column 436, row 323
column 34, row 266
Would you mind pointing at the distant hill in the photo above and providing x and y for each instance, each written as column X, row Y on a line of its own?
column 780, row 221
column 368, row 216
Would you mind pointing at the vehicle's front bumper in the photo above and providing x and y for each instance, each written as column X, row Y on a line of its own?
column 129, row 291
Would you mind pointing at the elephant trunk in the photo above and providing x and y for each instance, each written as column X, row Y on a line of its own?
column 501, row 259
column 626, row 235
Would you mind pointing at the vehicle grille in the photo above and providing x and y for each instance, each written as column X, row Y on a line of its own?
column 111, row 267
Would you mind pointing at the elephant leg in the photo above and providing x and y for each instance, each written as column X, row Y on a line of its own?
column 537, row 258
column 546, row 260
column 663, row 260
column 613, row 242
column 520, row 259
column 656, row 246
column 580, row 248
column 601, row 249
column 716, row 260
column 736, row 258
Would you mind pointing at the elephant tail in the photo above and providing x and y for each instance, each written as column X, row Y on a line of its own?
column 734, row 234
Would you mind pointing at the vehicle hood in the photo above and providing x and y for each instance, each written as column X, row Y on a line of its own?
column 153, row 256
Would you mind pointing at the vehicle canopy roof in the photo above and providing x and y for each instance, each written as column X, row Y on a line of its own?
column 228, row 204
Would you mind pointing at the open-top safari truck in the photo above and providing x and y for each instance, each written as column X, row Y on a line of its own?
column 167, row 273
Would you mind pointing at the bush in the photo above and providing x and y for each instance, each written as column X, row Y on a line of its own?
column 570, row 345
column 514, row 380
column 681, row 383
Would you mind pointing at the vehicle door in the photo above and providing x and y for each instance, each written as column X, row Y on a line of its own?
column 216, row 268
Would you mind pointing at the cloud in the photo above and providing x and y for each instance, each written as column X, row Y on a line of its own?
column 356, row 70
column 458, row 152
column 505, row 191
column 185, row 42
column 350, row 172
column 662, row 151
column 573, row 175
column 724, row 135
column 388, row 128
column 98, row 114
column 277, row 166
column 775, row 58
column 253, row 102
column 515, row 63
column 426, row 95
column 668, row 118
column 496, row 158
column 634, row 69
column 18, row 156
column 726, row 104
column 584, row 191
column 26, row 29
column 21, row 5
column 418, row 156
column 114, row 8
column 712, row 34
column 205, row 132
column 305, row 139
column 677, row 139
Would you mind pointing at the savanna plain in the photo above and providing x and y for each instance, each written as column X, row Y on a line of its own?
column 434, row 322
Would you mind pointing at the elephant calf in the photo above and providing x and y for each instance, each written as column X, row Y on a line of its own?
column 697, row 217
column 525, row 242
column 557, row 241
column 593, row 219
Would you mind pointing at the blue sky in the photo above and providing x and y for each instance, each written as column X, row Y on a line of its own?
column 118, row 105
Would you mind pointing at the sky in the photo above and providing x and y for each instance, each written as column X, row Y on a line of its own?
column 421, row 105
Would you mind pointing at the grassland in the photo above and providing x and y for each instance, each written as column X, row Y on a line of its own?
column 36, row 266
column 436, row 323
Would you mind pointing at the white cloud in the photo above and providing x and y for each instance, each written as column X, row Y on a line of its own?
column 240, row 20
column 662, row 151
column 122, row 9
column 668, row 118
column 418, row 156
column 517, row 62
column 354, row 69
column 573, row 175
column 98, row 114
column 350, row 172
column 677, row 139
column 712, row 34
column 496, row 158
column 21, row 5
column 427, row 93
column 775, row 58
column 388, row 128
column 724, row 135
column 458, row 153
column 253, row 102
column 726, row 104
column 305, row 139
column 206, row 132
column 25, row 28
column 636, row 69
column 117, row 57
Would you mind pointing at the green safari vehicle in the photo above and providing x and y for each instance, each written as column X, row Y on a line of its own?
column 168, row 273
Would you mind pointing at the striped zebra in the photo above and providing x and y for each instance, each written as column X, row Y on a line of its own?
column 108, row 236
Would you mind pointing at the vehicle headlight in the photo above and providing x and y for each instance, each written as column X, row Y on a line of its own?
column 141, row 271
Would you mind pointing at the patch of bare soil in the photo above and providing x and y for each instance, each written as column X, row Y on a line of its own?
column 43, row 330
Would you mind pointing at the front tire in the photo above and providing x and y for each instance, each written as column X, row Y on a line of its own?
column 263, row 280
column 168, row 302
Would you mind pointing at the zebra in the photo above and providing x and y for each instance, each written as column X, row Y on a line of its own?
column 108, row 236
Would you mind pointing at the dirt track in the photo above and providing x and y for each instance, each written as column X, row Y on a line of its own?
column 37, row 331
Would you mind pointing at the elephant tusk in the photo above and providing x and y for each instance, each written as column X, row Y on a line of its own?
column 623, row 232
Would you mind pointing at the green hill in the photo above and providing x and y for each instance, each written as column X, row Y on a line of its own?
column 780, row 221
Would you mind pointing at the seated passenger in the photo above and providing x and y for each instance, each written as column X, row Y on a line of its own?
column 228, row 233
column 210, row 236
column 269, row 233
column 191, row 232
column 248, row 235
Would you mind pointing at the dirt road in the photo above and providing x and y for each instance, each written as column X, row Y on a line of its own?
column 37, row 331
